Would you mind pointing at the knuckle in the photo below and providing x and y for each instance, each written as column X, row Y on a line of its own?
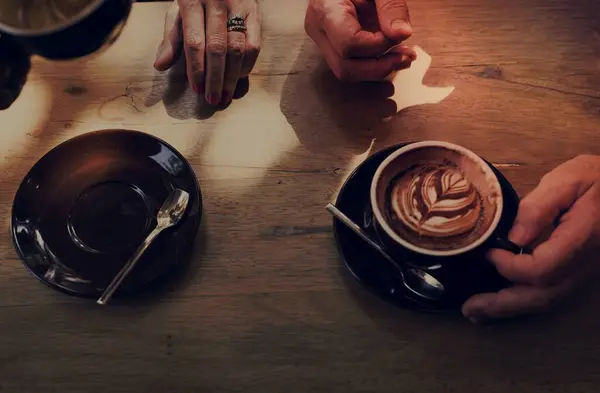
column 346, row 47
column 252, row 51
column 533, row 212
column 196, row 69
column 216, row 47
column 220, row 5
column 194, row 40
column 536, row 213
column 346, row 7
column 186, row 5
column 236, row 49
column 393, row 6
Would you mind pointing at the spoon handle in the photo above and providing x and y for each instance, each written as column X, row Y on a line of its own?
column 116, row 282
column 425, row 280
column 356, row 229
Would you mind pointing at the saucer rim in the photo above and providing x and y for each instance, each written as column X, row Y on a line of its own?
column 184, row 242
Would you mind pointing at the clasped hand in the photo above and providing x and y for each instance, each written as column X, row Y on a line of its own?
column 361, row 39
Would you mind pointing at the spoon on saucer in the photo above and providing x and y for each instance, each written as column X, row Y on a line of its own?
column 416, row 281
column 169, row 215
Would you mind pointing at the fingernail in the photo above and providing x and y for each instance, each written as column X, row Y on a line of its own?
column 226, row 97
column 214, row 99
column 518, row 234
column 401, row 25
column 402, row 62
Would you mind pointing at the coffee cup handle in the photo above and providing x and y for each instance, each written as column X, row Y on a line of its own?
column 503, row 243
column 14, row 68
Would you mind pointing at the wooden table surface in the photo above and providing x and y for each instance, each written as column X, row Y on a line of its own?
column 265, row 305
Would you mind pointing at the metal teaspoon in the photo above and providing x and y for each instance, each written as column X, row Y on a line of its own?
column 415, row 280
column 169, row 215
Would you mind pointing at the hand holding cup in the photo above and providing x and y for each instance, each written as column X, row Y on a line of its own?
column 568, row 196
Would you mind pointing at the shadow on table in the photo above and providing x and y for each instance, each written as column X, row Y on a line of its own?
column 329, row 116
column 180, row 101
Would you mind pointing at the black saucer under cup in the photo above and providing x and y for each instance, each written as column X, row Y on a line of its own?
column 86, row 206
column 461, row 280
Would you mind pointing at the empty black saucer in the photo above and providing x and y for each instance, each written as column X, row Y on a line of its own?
column 84, row 208
column 376, row 274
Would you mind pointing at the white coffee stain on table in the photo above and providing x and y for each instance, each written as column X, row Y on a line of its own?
column 354, row 162
column 409, row 87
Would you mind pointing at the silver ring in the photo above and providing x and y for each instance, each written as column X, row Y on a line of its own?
column 236, row 23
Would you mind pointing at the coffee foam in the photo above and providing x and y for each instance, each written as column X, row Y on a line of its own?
column 439, row 199
column 436, row 201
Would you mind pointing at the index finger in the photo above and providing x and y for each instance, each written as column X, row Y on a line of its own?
column 192, row 14
column 349, row 39
column 558, row 254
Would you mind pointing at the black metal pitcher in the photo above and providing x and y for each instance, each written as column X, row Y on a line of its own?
column 95, row 26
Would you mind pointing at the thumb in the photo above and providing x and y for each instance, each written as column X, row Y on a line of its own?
column 394, row 19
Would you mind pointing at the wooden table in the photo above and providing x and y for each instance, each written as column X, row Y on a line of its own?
column 265, row 306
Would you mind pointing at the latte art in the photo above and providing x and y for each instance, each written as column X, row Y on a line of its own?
column 436, row 199
column 438, row 202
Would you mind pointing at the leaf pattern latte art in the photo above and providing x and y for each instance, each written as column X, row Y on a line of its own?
column 440, row 202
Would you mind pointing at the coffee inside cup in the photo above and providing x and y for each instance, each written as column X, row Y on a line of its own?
column 439, row 198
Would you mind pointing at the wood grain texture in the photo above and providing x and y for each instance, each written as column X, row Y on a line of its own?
column 265, row 305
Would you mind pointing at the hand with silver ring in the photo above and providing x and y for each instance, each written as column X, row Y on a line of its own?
column 221, row 41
